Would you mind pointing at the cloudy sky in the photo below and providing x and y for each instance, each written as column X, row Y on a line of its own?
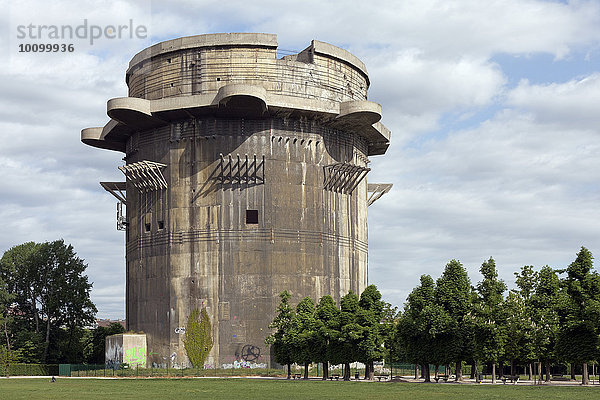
column 494, row 108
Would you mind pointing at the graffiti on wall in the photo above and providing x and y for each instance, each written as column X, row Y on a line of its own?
column 244, row 364
column 248, row 353
column 113, row 355
column 135, row 355
column 246, row 357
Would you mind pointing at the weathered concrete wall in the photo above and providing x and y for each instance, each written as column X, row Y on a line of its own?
column 321, row 71
column 240, row 130
column 307, row 240
column 125, row 348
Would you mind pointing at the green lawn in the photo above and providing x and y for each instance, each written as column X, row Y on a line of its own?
column 180, row 389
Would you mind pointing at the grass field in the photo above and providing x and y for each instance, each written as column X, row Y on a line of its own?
column 205, row 388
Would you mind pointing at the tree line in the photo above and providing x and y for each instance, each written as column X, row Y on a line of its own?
column 551, row 317
column 45, row 307
column 328, row 334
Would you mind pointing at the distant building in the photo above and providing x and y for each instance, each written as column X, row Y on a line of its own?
column 106, row 322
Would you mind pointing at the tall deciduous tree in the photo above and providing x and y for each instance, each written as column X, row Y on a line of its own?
column 7, row 355
column 580, row 320
column 526, row 281
column 369, row 316
column 544, row 312
column 51, row 292
column 453, row 293
column 326, row 314
column 491, row 326
column 389, row 326
column 303, row 333
column 349, row 333
column 281, row 340
column 518, row 328
column 423, row 327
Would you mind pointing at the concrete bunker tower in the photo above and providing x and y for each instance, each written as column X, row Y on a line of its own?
column 245, row 174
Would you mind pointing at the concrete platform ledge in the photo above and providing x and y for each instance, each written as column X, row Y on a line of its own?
column 228, row 92
column 94, row 137
column 129, row 110
column 361, row 112
column 91, row 133
column 141, row 106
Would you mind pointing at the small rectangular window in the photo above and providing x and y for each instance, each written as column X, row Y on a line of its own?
column 147, row 227
column 161, row 224
column 252, row 216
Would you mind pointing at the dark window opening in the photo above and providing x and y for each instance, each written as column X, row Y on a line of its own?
column 252, row 216
column 218, row 79
column 161, row 224
column 147, row 227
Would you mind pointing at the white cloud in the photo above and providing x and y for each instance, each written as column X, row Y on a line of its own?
column 514, row 188
column 415, row 85
column 573, row 103
column 447, row 29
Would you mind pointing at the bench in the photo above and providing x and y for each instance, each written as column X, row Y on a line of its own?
column 334, row 376
column 444, row 377
column 380, row 377
column 560, row 377
column 512, row 378
column 297, row 376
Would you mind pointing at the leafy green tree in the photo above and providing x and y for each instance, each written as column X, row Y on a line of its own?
column 198, row 337
column 422, row 327
column 453, row 294
column 544, row 312
column 280, row 340
column 50, row 288
column 518, row 328
column 369, row 316
column 526, row 280
column 580, row 315
column 391, row 339
column 7, row 355
column 303, row 331
column 348, row 335
column 491, row 326
column 326, row 314
column 18, row 269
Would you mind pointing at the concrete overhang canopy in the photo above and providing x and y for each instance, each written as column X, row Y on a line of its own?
column 357, row 114
column 93, row 137
column 129, row 114
column 132, row 111
column 180, row 107
column 378, row 138
column 242, row 99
